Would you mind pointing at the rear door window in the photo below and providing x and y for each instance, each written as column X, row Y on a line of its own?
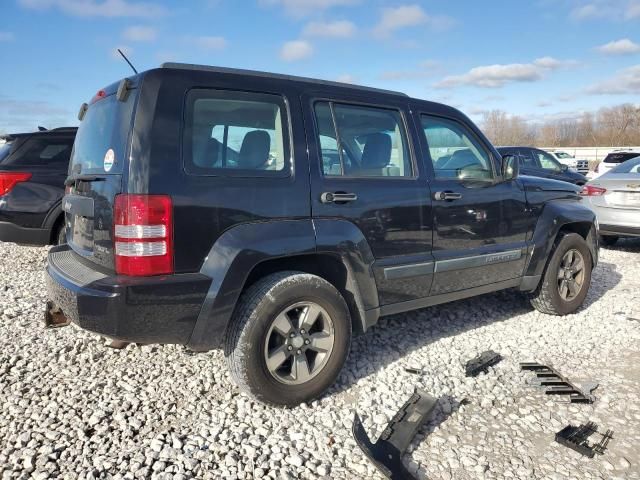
column 229, row 133
column 38, row 151
column 359, row 141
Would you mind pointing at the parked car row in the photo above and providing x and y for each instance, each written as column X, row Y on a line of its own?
column 277, row 216
column 538, row 163
column 577, row 165
column 33, row 168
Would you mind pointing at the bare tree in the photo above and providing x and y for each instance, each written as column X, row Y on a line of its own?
column 615, row 126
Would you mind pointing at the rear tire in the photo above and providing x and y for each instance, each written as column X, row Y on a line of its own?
column 609, row 240
column 566, row 278
column 270, row 353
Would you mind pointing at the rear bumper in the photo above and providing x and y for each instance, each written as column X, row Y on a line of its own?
column 159, row 309
column 619, row 230
column 10, row 232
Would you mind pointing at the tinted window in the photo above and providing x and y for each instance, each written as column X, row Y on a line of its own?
column 619, row 157
column 40, row 151
column 454, row 151
column 5, row 149
column 236, row 133
column 360, row 141
column 104, row 128
column 527, row 159
column 630, row 166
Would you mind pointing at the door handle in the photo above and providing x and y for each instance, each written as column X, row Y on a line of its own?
column 447, row 196
column 330, row 197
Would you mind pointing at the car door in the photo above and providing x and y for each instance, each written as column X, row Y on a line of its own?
column 480, row 221
column 364, row 175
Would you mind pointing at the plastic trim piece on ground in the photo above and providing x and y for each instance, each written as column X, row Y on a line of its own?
column 481, row 363
column 386, row 453
column 556, row 384
column 576, row 438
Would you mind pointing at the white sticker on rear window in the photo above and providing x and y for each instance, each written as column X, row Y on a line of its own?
column 109, row 158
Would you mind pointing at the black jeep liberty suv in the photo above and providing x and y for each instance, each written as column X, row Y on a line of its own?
column 276, row 216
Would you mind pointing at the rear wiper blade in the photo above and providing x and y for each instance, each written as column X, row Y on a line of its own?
column 83, row 178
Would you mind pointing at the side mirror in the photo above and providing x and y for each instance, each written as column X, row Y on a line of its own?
column 563, row 167
column 510, row 167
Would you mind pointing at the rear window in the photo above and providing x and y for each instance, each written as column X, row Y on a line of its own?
column 5, row 149
column 101, row 142
column 229, row 133
column 630, row 166
column 619, row 157
column 38, row 151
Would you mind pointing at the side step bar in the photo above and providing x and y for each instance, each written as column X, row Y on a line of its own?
column 386, row 453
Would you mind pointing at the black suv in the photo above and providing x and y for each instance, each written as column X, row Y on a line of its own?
column 33, row 168
column 539, row 163
column 276, row 216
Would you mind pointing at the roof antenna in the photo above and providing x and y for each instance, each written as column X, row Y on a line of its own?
column 127, row 60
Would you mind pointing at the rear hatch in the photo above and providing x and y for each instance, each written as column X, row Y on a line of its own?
column 98, row 162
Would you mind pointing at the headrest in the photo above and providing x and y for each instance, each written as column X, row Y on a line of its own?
column 377, row 151
column 254, row 152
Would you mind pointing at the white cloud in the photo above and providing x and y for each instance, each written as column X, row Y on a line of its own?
column 296, row 50
column 140, row 33
column 99, row 8
column 619, row 10
column 405, row 16
column 26, row 115
column 301, row 8
column 496, row 76
column 210, row 43
column 625, row 81
column 619, row 47
column 337, row 29
column 7, row 37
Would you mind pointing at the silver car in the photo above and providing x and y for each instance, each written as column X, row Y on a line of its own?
column 615, row 197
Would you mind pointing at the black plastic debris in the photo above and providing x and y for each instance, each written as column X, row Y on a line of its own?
column 386, row 453
column 414, row 370
column 577, row 438
column 556, row 384
column 482, row 362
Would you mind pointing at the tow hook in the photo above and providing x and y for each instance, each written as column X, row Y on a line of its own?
column 54, row 316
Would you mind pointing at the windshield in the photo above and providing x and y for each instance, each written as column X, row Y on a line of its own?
column 630, row 166
column 563, row 155
column 101, row 142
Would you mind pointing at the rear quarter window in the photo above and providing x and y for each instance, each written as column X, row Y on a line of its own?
column 230, row 133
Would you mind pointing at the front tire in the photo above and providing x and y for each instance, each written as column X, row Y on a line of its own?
column 566, row 279
column 288, row 339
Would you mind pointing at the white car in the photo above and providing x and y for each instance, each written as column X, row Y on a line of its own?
column 580, row 166
column 612, row 160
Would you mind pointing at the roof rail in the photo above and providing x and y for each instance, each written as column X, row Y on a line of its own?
column 255, row 73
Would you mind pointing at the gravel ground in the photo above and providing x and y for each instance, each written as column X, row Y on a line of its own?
column 72, row 408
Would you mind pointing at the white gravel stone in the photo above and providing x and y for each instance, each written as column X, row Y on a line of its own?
column 71, row 408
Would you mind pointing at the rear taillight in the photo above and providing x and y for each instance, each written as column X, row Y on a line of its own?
column 143, row 234
column 8, row 180
column 591, row 191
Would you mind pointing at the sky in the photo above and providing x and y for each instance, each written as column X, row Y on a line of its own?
column 540, row 59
